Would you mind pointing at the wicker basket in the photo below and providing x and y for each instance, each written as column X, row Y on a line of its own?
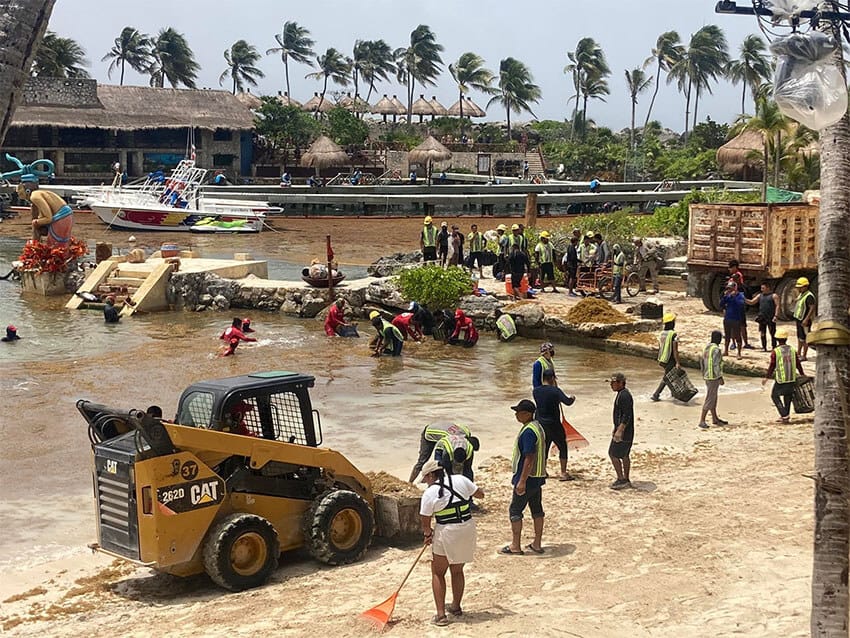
column 804, row 395
column 680, row 385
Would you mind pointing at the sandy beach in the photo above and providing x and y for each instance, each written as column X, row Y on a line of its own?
column 714, row 539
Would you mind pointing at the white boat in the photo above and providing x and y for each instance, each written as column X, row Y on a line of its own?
column 174, row 203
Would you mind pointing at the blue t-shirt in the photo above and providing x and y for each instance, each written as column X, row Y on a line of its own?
column 527, row 445
column 734, row 306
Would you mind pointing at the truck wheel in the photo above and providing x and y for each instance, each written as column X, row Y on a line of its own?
column 241, row 551
column 338, row 527
column 787, row 294
column 712, row 291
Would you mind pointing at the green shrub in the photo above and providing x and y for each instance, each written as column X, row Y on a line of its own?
column 433, row 286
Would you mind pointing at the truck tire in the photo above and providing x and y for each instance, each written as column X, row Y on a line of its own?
column 241, row 551
column 711, row 292
column 338, row 527
column 787, row 294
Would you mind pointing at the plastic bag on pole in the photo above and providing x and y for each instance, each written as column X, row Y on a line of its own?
column 785, row 9
column 808, row 86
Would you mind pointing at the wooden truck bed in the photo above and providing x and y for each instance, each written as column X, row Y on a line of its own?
column 769, row 239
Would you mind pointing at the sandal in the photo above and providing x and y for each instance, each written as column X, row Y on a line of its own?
column 507, row 550
column 454, row 611
column 535, row 550
column 440, row 621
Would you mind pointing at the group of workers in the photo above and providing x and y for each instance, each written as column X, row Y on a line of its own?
column 418, row 321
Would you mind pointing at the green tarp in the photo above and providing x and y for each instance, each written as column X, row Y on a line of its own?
column 780, row 196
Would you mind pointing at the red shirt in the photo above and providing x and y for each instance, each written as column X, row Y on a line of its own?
column 737, row 278
column 335, row 319
column 406, row 325
column 235, row 333
column 467, row 325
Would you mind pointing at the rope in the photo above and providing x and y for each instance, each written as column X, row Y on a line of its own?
column 829, row 333
column 265, row 225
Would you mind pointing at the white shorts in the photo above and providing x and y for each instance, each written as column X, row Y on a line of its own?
column 455, row 541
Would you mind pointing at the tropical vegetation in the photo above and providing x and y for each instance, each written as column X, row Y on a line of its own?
column 60, row 57
column 241, row 68
column 293, row 43
column 132, row 48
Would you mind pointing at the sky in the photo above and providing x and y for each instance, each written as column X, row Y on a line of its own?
column 537, row 32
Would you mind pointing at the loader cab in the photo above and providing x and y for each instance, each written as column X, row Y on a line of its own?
column 270, row 405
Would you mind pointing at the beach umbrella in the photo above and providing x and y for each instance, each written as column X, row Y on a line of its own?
column 317, row 104
column 439, row 109
column 401, row 109
column 385, row 107
column 428, row 152
column 286, row 100
column 324, row 152
column 354, row 104
column 422, row 107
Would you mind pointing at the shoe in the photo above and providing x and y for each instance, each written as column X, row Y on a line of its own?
column 621, row 484
column 733, row 346
column 748, row 347
column 720, row 422
column 572, row 294
column 440, row 621
column 655, row 398
column 703, row 425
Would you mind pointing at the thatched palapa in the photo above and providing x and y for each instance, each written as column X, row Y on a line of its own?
column 316, row 103
column 428, row 151
column 324, row 152
column 470, row 109
column 285, row 99
column 401, row 109
column 249, row 99
column 736, row 157
column 439, row 109
column 127, row 108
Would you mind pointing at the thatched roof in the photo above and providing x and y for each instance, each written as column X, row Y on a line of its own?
column 127, row 108
column 385, row 106
column 422, row 107
column 470, row 109
column 401, row 109
column 249, row 99
column 354, row 104
column 316, row 103
column 735, row 155
column 324, row 152
column 285, row 99
column 428, row 151
column 439, row 109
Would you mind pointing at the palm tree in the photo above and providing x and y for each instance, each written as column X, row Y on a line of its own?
column 638, row 82
column 593, row 87
column 667, row 52
column 131, row 47
column 172, row 60
column 60, row 58
column 589, row 69
column 469, row 73
column 703, row 61
column 751, row 69
column 516, row 89
column 293, row 43
column 18, row 51
column 420, row 62
column 377, row 63
column 332, row 65
column 770, row 124
column 241, row 58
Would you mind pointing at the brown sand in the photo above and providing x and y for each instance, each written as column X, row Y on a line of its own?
column 385, row 483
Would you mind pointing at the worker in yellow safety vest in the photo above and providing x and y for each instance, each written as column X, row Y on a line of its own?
column 543, row 362
column 433, row 434
column 711, row 364
column 668, row 351
column 475, row 243
column 428, row 240
column 529, row 474
column 545, row 259
column 804, row 312
column 783, row 369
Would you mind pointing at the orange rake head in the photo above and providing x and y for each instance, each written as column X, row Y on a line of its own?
column 379, row 615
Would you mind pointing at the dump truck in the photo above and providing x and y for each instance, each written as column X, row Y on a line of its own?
column 772, row 242
column 237, row 478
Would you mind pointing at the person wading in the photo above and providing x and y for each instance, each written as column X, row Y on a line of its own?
column 542, row 363
column 668, row 352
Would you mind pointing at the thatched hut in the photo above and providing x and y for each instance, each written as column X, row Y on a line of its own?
column 323, row 153
column 317, row 104
column 249, row 99
column 427, row 153
column 287, row 100
column 737, row 156
column 385, row 107
column 439, row 109
column 472, row 109
column 401, row 109
column 422, row 107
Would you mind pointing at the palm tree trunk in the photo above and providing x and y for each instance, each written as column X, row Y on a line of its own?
column 508, row 110
column 687, row 109
column 322, row 98
column 832, row 513
column 234, row 81
column 696, row 106
column 632, row 137
column 23, row 22
column 743, row 99
column 286, row 71
column 584, row 116
column 777, row 155
column 371, row 88
column 460, row 102
column 121, row 82
column 411, row 84
column 765, row 154
column 654, row 94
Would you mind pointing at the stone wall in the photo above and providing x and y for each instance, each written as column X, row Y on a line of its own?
column 397, row 160
column 79, row 93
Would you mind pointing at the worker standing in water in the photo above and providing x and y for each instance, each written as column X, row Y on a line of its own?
column 389, row 340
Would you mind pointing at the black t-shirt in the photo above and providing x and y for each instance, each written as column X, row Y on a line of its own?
column 624, row 412
column 518, row 262
column 110, row 314
column 548, row 399
column 443, row 238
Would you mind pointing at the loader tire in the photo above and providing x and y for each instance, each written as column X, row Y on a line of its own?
column 338, row 527
column 241, row 551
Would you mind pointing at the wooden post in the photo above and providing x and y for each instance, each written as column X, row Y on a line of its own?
column 531, row 210
column 330, row 270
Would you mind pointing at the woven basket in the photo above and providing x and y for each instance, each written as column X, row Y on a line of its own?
column 680, row 385
column 804, row 395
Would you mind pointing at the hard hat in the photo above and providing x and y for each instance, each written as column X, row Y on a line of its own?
column 458, row 313
column 428, row 219
column 374, row 314
column 616, row 247
column 514, row 226
column 781, row 333
column 545, row 234
column 501, row 227
column 802, row 281
column 668, row 317
column 589, row 234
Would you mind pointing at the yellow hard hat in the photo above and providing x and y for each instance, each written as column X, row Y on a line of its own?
column 501, row 227
column 589, row 234
column 515, row 227
column 781, row 333
column 428, row 219
column 545, row 234
column 374, row 314
column 802, row 281
column 668, row 317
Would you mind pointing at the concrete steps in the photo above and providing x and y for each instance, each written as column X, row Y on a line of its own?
column 535, row 162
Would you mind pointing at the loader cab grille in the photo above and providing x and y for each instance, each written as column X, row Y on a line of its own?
column 115, row 496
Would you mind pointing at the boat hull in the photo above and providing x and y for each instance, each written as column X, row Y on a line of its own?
column 170, row 219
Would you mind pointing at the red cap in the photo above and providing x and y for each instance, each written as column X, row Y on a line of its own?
column 458, row 313
column 11, row 328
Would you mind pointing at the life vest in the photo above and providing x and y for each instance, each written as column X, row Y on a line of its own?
column 518, row 240
column 447, row 446
column 429, row 236
column 800, row 308
column 455, row 511
column 786, row 364
column 665, row 345
column 539, row 468
column 545, row 364
column 437, row 431
column 506, row 326
column 712, row 364
column 476, row 242
column 544, row 252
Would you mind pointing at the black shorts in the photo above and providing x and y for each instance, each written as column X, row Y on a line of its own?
column 619, row 450
column 429, row 253
column 801, row 331
column 532, row 498
column 732, row 329
column 547, row 272
column 475, row 259
column 571, row 271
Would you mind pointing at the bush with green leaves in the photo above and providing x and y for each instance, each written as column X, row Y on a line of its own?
column 433, row 286
column 345, row 128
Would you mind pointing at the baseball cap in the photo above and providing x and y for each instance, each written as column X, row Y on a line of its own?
column 444, row 224
column 524, row 406
column 501, row 227
column 546, row 346
column 430, row 466
column 514, row 226
column 617, row 376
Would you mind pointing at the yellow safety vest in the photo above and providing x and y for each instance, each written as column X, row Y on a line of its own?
column 544, row 252
column 429, row 236
column 447, row 446
column 665, row 345
column 800, row 308
column 619, row 262
column 545, row 364
column 476, row 242
column 539, row 468
column 786, row 364
column 506, row 326
column 519, row 240
column 437, row 431
column 390, row 327
column 712, row 362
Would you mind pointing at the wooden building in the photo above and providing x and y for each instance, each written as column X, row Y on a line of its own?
column 84, row 128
